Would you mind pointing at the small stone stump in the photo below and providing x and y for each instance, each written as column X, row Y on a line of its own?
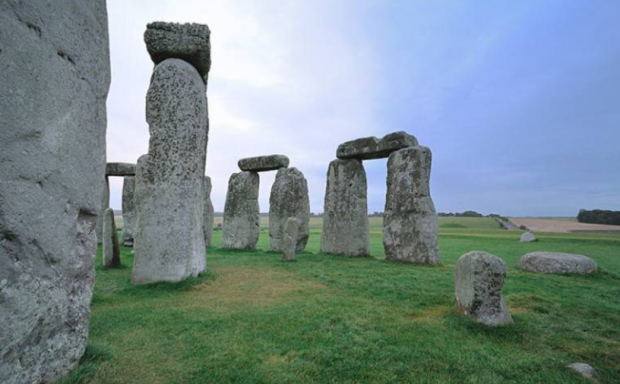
column 528, row 237
column 479, row 279
column 289, row 198
column 289, row 240
column 241, row 226
column 209, row 213
column 129, row 210
column 557, row 263
column 111, row 251
column 583, row 369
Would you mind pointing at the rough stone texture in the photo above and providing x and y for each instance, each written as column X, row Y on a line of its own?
column 345, row 222
column 209, row 214
column 120, row 169
column 528, row 237
column 583, row 369
column 129, row 210
column 169, row 238
column 241, row 226
column 54, row 74
column 289, row 239
column 111, row 251
column 560, row 263
column 479, row 279
column 410, row 220
column 105, row 204
column 289, row 198
column 368, row 148
column 188, row 42
column 263, row 163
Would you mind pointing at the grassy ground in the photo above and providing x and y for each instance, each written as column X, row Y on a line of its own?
column 330, row 319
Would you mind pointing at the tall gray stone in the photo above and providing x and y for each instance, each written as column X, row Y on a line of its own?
column 345, row 220
column 105, row 204
column 289, row 239
column 54, row 74
column 111, row 251
column 129, row 210
column 241, row 227
column 289, row 198
column 410, row 220
column 209, row 214
column 169, row 239
column 479, row 280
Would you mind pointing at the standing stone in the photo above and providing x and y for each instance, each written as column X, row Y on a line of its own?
column 111, row 251
column 54, row 74
column 169, row 238
column 209, row 215
column 105, row 204
column 289, row 198
column 289, row 239
column 410, row 220
column 129, row 210
column 528, row 237
column 241, row 226
column 345, row 221
column 479, row 280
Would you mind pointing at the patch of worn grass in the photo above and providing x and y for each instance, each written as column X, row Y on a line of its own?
column 330, row 319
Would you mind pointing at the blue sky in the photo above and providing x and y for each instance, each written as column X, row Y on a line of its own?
column 519, row 101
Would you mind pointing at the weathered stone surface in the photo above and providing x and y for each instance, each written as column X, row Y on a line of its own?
column 289, row 239
column 169, row 239
column 209, row 216
column 120, row 169
column 560, row 263
column 241, row 226
column 54, row 75
column 105, row 204
column 410, row 220
column 111, row 251
column 289, row 198
column 263, row 163
column 129, row 210
column 584, row 370
column 345, row 222
column 188, row 42
column 528, row 237
column 368, row 148
column 479, row 280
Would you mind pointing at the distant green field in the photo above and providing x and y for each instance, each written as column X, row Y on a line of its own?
column 332, row 319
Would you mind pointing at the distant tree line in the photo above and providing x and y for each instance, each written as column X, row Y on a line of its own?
column 599, row 216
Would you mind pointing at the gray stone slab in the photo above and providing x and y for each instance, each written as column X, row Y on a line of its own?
column 129, row 210
column 289, row 198
column 120, row 169
column 263, row 163
column 111, row 251
column 54, row 75
column 209, row 213
column 345, row 219
column 189, row 42
column 368, row 148
column 241, row 226
column 558, row 263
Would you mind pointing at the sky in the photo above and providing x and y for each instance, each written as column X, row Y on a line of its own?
column 519, row 101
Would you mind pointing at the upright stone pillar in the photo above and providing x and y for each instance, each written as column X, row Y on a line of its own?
column 209, row 216
column 105, row 204
column 129, row 210
column 169, row 237
column 241, row 227
column 54, row 74
column 345, row 220
column 410, row 220
column 289, row 198
column 111, row 251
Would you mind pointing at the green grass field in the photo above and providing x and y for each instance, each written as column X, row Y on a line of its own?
column 331, row 319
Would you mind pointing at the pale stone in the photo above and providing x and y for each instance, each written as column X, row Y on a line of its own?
column 368, row 148
column 410, row 220
column 209, row 214
column 584, row 370
column 289, row 239
column 188, row 42
column 169, row 238
column 111, row 251
column 559, row 263
column 345, row 219
column 129, row 210
column 263, row 163
column 120, row 169
column 479, row 280
column 54, row 76
column 289, row 198
column 241, row 226
column 528, row 237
